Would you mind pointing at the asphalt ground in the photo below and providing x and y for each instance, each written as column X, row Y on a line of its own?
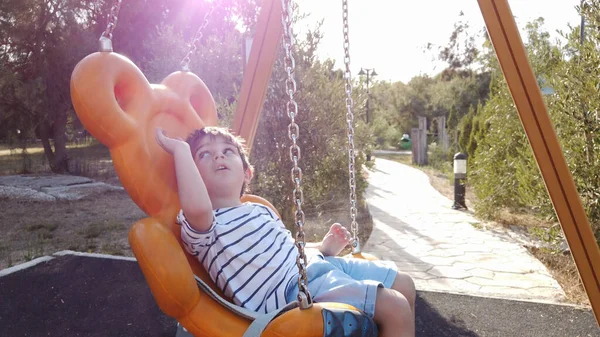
column 90, row 296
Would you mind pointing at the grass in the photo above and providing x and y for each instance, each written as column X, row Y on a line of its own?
column 112, row 249
column 101, row 225
column 92, row 231
column 48, row 227
column 90, row 159
column 97, row 224
column 561, row 266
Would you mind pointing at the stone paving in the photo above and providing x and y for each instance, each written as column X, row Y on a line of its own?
column 51, row 187
column 415, row 226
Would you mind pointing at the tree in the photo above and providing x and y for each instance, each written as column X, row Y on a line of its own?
column 460, row 86
column 452, row 125
column 451, row 93
column 418, row 96
column 574, row 109
column 322, row 138
column 41, row 44
column 42, row 41
column 460, row 53
column 465, row 131
column 503, row 171
column 390, row 117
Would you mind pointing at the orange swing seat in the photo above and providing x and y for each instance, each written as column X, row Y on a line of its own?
column 118, row 106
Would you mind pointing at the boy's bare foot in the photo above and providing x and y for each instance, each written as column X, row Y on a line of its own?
column 335, row 240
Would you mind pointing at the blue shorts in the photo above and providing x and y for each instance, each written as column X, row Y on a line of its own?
column 345, row 280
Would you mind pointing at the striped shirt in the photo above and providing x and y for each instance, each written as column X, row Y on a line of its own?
column 248, row 253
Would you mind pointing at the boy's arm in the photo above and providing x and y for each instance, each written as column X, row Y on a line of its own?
column 193, row 196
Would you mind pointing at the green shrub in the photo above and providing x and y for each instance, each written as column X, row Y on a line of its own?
column 323, row 140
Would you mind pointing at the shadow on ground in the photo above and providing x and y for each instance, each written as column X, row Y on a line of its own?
column 91, row 296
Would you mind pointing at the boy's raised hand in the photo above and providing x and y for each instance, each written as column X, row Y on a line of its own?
column 335, row 240
column 171, row 145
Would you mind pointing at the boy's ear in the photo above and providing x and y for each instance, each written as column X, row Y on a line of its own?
column 248, row 175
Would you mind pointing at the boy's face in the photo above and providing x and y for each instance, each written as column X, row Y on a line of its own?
column 220, row 166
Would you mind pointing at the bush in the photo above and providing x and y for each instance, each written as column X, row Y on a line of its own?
column 439, row 159
column 322, row 122
column 504, row 171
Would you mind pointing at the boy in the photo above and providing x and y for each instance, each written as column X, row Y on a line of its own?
column 251, row 256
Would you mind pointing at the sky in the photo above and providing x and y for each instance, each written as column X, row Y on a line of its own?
column 390, row 35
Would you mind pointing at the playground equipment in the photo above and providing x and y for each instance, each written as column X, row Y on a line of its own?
column 120, row 108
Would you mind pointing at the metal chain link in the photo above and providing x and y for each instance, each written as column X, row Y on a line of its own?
column 113, row 17
column 296, row 174
column 350, row 121
column 185, row 63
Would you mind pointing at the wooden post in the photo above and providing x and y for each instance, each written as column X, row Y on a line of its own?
column 257, row 71
column 423, row 140
column 443, row 133
column 419, row 142
column 423, row 146
column 422, row 123
column 414, row 136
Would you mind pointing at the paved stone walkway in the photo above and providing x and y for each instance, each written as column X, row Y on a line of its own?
column 415, row 226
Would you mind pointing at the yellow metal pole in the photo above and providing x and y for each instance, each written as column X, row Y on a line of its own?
column 527, row 96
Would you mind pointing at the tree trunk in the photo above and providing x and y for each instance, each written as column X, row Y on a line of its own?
column 26, row 159
column 61, row 160
column 44, row 130
column 57, row 157
column 589, row 136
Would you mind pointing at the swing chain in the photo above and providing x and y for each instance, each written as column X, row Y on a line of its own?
column 185, row 63
column 304, row 298
column 350, row 121
column 106, row 37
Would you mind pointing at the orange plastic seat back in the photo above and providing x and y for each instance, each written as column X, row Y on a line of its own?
column 118, row 106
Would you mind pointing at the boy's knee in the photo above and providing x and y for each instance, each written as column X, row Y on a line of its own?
column 405, row 285
column 391, row 304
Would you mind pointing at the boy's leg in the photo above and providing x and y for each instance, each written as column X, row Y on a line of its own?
column 394, row 309
column 368, row 286
column 382, row 271
column 393, row 314
column 405, row 285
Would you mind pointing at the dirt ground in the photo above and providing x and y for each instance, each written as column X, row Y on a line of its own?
column 100, row 225
column 35, row 229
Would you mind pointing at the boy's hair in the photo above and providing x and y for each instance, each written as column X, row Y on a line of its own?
column 213, row 132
